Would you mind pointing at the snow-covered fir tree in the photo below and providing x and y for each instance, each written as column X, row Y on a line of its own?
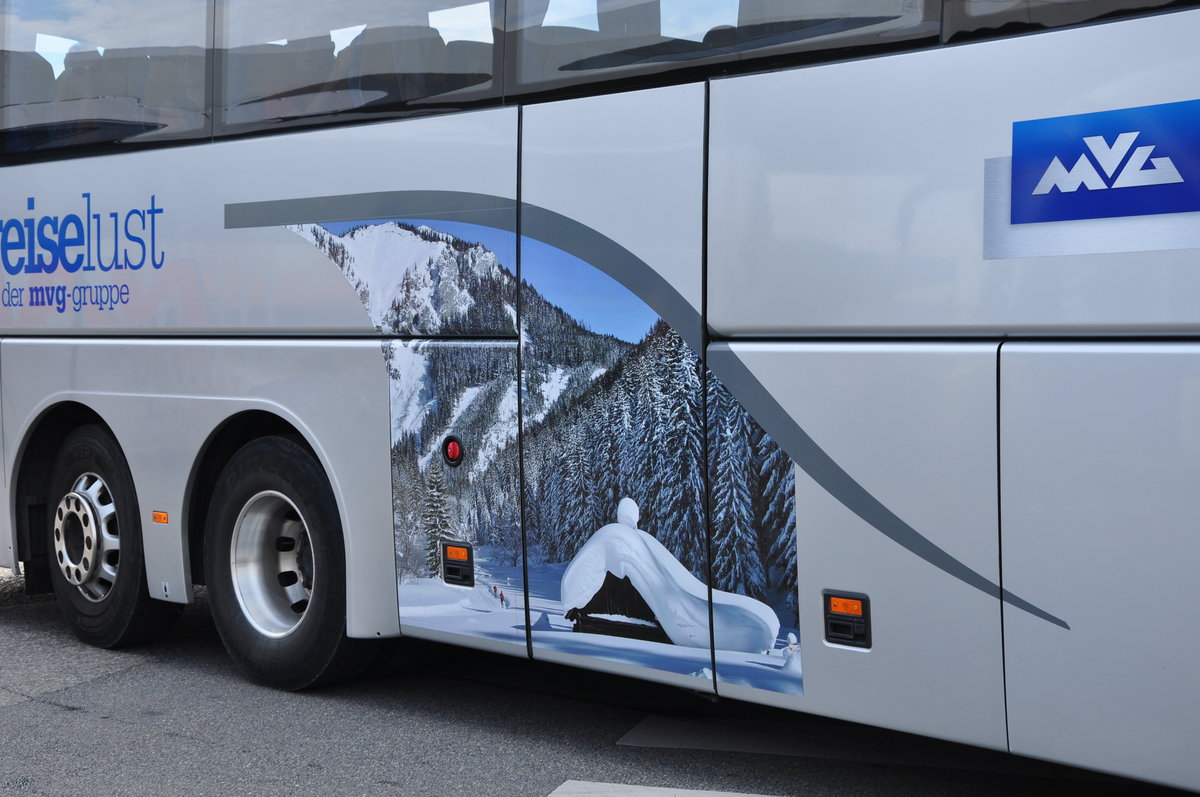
column 683, row 438
column 435, row 517
column 737, row 560
column 777, row 485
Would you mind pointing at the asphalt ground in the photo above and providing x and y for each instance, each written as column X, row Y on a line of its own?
column 176, row 718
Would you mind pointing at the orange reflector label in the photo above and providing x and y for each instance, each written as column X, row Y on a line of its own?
column 845, row 606
column 457, row 553
column 159, row 517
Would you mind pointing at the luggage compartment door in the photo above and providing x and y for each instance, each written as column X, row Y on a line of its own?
column 1100, row 458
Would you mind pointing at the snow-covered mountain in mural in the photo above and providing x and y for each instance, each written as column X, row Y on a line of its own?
column 414, row 280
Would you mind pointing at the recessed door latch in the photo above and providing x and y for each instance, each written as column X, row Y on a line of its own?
column 458, row 564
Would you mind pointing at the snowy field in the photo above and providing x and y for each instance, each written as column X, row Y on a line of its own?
column 475, row 612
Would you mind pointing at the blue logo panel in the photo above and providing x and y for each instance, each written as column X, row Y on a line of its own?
column 1130, row 162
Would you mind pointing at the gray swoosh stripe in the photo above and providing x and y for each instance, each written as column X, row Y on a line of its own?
column 635, row 274
column 489, row 211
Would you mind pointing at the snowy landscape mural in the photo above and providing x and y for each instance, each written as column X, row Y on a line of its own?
column 615, row 470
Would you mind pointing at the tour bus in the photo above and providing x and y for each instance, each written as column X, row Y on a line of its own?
column 836, row 355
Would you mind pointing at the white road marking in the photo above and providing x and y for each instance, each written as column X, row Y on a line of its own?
column 583, row 788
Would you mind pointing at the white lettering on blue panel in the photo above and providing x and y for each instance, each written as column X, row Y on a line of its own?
column 1130, row 162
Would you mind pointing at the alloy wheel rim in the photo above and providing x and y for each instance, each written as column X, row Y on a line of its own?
column 271, row 564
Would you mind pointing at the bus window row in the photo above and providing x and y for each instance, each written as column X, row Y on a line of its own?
column 90, row 74
column 380, row 69
column 561, row 42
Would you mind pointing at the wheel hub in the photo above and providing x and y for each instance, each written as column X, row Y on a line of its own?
column 75, row 538
column 86, row 546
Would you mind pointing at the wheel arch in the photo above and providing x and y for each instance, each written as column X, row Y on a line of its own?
column 220, row 446
column 39, row 448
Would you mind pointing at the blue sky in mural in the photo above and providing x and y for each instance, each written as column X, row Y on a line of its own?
column 588, row 294
column 592, row 297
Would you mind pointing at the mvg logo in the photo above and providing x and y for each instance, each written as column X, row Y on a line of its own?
column 1161, row 172
column 1152, row 154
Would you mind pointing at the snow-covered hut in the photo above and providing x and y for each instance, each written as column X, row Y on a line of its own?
column 623, row 582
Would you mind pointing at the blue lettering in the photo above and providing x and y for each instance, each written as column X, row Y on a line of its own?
column 11, row 296
column 87, row 217
column 155, row 261
column 48, row 243
column 109, row 266
column 41, row 295
column 135, row 239
column 12, row 243
column 70, row 264
column 40, row 244
column 30, row 239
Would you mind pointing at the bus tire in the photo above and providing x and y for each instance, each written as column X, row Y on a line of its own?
column 275, row 562
column 97, row 566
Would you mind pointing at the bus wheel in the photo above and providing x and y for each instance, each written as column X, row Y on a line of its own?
column 275, row 564
column 97, row 566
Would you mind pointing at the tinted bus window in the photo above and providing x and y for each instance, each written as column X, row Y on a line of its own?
column 978, row 18
column 80, row 74
column 559, row 42
column 281, row 63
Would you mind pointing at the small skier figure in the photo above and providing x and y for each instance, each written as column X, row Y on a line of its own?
column 503, row 602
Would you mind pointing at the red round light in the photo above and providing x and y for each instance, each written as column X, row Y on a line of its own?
column 453, row 451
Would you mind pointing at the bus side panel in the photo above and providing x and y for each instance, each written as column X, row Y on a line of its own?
column 872, row 197
column 162, row 399
column 895, row 447
column 613, row 388
column 1100, row 455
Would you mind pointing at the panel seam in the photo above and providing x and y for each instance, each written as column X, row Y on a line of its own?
column 521, row 513
column 706, row 382
column 1000, row 544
